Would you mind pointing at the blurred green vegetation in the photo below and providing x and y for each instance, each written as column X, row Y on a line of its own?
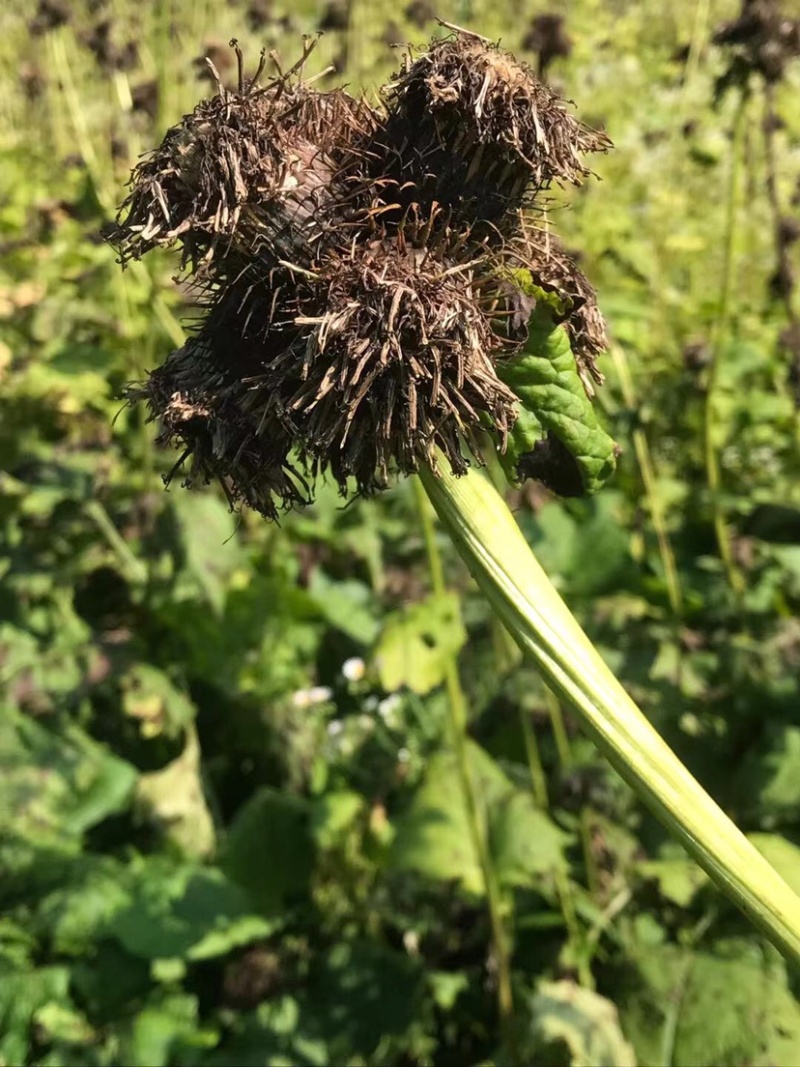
column 232, row 826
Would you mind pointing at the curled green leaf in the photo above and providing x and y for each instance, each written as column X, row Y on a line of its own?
column 557, row 438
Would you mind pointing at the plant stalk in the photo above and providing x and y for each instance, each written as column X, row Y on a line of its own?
column 713, row 473
column 475, row 817
column 502, row 563
column 647, row 472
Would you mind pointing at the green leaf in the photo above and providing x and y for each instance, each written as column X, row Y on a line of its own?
column 446, row 987
column 108, row 981
column 572, row 1025
column 57, row 1022
column 333, row 814
column 210, row 554
column 361, row 996
column 150, row 697
column 76, row 914
column 678, row 879
column 269, row 850
column 417, row 644
column 711, row 1009
column 164, row 1029
column 185, row 912
column 17, row 943
column 347, row 605
column 22, row 995
column 584, row 546
column 275, row 1034
column 56, row 785
column 777, row 794
column 434, row 836
column 525, row 842
column 545, row 378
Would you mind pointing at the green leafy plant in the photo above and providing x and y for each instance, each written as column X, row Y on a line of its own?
column 236, row 825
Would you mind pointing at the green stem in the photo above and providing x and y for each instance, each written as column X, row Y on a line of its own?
column 713, row 475
column 475, row 817
column 647, row 471
column 533, row 756
column 490, row 542
column 592, row 879
column 136, row 570
column 558, row 728
column 574, row 933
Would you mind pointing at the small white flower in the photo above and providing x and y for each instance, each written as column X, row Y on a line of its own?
column 354, row 669
column 403, row 755
column 389, row 705
column 411, row 942
column 335, row 727
column 306, row 698
column 320, row 694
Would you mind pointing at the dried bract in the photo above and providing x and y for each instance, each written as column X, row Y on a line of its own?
column 202, row 410
column 249, row 177
column 469, row 125
column 398, row 363
column 548, row 266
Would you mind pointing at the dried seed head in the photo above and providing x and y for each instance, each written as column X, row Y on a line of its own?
column 355, row 269
column 548, row 38
column 398, row 362
column 202, row 410
column 763, row 39
column 542, row 258
column 469, row 124
column 557, row 272
column 249, row 178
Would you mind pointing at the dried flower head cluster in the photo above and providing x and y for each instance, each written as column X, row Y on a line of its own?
column 470, row 127
column 762, row 40
column 351, row 260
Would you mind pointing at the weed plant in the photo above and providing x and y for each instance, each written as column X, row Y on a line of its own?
column 235, row 822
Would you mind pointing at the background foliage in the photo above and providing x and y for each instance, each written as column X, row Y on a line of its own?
column 232, row 819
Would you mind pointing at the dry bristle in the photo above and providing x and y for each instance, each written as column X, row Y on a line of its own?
column 247, row 177
column 469, row 125
column 398, row 362
column 202, row 412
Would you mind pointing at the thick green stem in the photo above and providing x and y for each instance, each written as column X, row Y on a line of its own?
column 503, row 565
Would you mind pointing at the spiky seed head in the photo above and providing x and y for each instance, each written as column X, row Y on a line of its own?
column 202, row 411
column 469, row 125
column 397, row 361
column 353, row 263
column 247, row 179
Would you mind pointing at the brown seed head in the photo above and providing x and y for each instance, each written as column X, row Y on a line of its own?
column 202, row 408
column 470, row 125
column 398, row 361
column 248, row 178
column 352, row 262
